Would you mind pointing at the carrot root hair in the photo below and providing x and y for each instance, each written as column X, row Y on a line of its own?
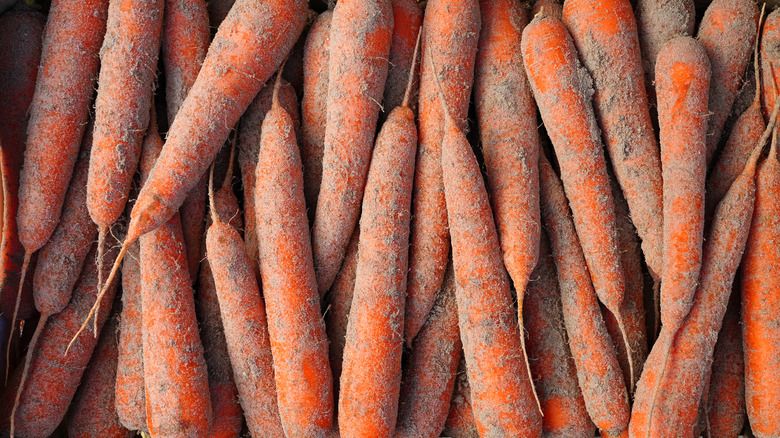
column 25, row 266
column 629, row 356
column 27, row 360
column 102, row 230
column 405, row 102
column 528, row 363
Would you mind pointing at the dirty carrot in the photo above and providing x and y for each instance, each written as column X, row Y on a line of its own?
column 450, row 35
column 360, row 35
column 770, row 61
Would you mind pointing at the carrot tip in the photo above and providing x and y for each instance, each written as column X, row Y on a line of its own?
column 25, row 265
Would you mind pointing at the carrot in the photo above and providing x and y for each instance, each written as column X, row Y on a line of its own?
column 338, row 305
column 770, row 61
column 598, row 371
column 20, row 53
column 129, row 397
column 674, row 376
column 245, row 326
column 360, row 36
column 551, row 8
column 605, row 35
column 726, row 403
column 658, row 22
column 295, row 328
column 185, row 40
column 495, row 367
column 563, row 407
column 92, row 412
column 460, row 419
column 562, row 89
column 53, row 376
column 249, row 40
column 407, row 21
column 316, row 54
column 726, row 32
column 429, row 378
column 293, row 65
column 450, row 35
column 506, row 115
column 175, row 376
column 682, row 85
column 249, row 149
column 128, row 61
column 760, row 319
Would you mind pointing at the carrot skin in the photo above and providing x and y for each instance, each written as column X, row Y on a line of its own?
column 460, row 419
column 563, row 407
column 488, row 327
column 450, row 35
column 92, row 412
column 20, row 54
column 429, row 379
column 727, row 32
column 368, row 402
column 770, row 61
column 246, row 329
column 220, row 93
column 598, row 371
column 128, row 61
column 407, row 21
column 760, row 319
column 682, row 86
column 605, row 35
column 54, row 376
column 58, row 114
column 316, row 55
column 360, row 36
column 296, row 331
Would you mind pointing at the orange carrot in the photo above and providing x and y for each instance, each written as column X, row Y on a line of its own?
column 450, row 34
column 563, row 407
column 407, row 20
column 726, row 32
column 53, row 376
column 296, row 330
column 360, row 36
column 492, row 343
column 760, row 319
column 510, row 143
column 92, row 412
column 460, row 419
column 770, row 61
column 598, row 371
column 605, row 35
column 429, row 378
column 316, row 54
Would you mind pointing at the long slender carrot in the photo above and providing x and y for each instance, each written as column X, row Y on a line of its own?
column 128, row 61
column 92, row 412
column 296, row 330
column 53, row 376
column 770, row 61
column 460, row 419
column 506, row 114
column 726, row 32
column 429, row 378
column 760, row 319
column 407, row 21
column 450, row 35
column 360, row 36
column 316, row 55
column 674, row 376
column 246, row 328
column 598, row 371
column 563, row 406
column 605, row 35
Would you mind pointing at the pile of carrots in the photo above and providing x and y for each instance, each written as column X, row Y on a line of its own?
column 389, row 218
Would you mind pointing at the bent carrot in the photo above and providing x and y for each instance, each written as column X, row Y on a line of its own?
column 360, row 36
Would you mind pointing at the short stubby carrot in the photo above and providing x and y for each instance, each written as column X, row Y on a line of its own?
column 726, row 32
column 316, row 54
column 563, row 408
column 488, row 325
column 92, row 412
column 360, row 35
column 760, row 301
column 450, row 35
column 368, row 401
column 770, row 61
column 682, row 87
column 407, row 21
column 506, row 115
column 460, row 419
column 429, row 378
column 297, row 333
column 598, row 372
column 605, row 35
